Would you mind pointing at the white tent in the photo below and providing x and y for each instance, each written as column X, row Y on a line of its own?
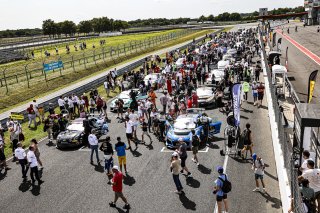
column 279, row 69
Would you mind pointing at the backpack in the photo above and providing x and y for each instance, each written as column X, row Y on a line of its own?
column 244, row 137
column 226, row 185
column 195, row 141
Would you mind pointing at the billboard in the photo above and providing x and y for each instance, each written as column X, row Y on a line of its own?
column 263, row 11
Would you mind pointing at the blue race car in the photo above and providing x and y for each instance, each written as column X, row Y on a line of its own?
column 182, row 126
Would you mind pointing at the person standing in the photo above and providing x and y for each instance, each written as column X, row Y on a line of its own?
column 21, row 155
column 144, row 127
column 31, row 116
column 48, row 124
column 120, row 148
column 182, row 151
column 195, row 147
column 152, row 95
column 258, row 168
column 246, row 137
column 245, row 89
column 116, row 183
column 306, row 157
column 254, row 89
column 260, row 93
column 164, row 101
column 33, row 164
column 15, row 130
column 313, row 176
column 129, row 131
column 106, row 148
column 93, row 141
column 37, row 152
column 61, row 103
column 221, row 196
column 175, row 168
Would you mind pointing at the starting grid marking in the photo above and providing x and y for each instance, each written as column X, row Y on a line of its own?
column 165, row 149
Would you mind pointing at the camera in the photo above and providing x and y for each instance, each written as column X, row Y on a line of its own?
column 215, row 192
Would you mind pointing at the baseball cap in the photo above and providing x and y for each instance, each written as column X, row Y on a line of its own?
column 220, row 169
column 254, row 156
column 115, row 168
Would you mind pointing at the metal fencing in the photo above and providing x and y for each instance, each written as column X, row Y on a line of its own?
column 286, row 147
column 33, row 73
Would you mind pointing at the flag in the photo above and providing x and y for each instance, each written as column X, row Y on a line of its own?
column 236, row 98
column 312, row 82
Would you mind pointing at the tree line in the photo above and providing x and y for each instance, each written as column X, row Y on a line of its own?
column 105, row 24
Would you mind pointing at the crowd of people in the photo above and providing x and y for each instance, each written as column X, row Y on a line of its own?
column 178, row 84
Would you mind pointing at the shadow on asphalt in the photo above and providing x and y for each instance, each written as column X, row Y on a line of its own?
column 135, row 153
column 204, row 170
column 263, row 107
column 240, row 160
column 276, row 203
column 192, row 182
column 187, row 203
column 244, row 117
column 35, row 190
column 121, row 210
column 216, row 139
column 270, row 175
column 25, row 186
column 3, row 175
column 128, row 180
column 99, row 168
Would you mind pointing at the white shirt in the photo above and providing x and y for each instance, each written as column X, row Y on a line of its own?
column 106, row 85
column 75, row 99
column 20, row 153
column 304, row 166
column 129, row 125
column 313, row 176
column 259, row 167
column 70, row 103
column 93, row 140
column 32, row 159
column 61, row 102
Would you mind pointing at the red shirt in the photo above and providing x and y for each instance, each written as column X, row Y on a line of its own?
column 30, row 110
column 195, row 98
column 117, row 179
column 189, row 103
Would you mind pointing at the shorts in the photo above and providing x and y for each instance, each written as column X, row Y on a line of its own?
column 183, row 161
column 195, row 150
column 122, row 160
column 71, row 110
column 118, row 194
column 258, row 177
column 255, row 94
column 260, row 96
column 220, row 198
column 129, row 135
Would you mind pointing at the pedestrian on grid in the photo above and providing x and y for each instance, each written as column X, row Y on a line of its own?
column 33, row 164
column 48, row 124
column 15, row 130
column 3, row 163
column 220, row 195
column 21, row 155
column 313, row 176
column 107, row 87
column 129, row 131
column 31, row 116
column 246, row 137
column 120, row 148
column 61, row 103
column 175, row 168
column 106, row 148
column 306, row 157
column 144, row 127
column 258, row 168
column 260, row 93
column 195, row 147
column 34, row 143
column 182, row 151
column 296, row 29
column 254, row 89
column 164, row 101
column 93, row 141
column 116, row 183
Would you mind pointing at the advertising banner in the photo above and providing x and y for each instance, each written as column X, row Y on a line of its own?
column 52, row 66
column 236, row 98
column 312, row 82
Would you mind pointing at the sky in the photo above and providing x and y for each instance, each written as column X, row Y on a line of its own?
column 19, row 14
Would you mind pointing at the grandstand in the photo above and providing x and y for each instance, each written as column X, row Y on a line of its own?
column 8, row 55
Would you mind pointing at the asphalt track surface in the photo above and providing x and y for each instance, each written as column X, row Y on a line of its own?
column 301, row 63
column 73, row 185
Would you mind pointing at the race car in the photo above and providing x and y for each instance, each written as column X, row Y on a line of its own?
column 73, row 136
column 125, row 97
column 182, row 126
column 206, row 96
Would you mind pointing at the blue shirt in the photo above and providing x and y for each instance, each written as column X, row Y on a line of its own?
column 121, row 149
column 219, row 184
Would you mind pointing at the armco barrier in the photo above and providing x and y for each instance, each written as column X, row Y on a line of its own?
column 93, row 84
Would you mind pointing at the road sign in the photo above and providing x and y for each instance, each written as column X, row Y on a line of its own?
column 16, row 116
column 52, row 66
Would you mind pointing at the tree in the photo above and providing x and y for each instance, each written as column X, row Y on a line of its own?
column 235, row 17
column 85, row 27
column 210, row 18
column 68, row 28
column 202, row 18
column 48, row 27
